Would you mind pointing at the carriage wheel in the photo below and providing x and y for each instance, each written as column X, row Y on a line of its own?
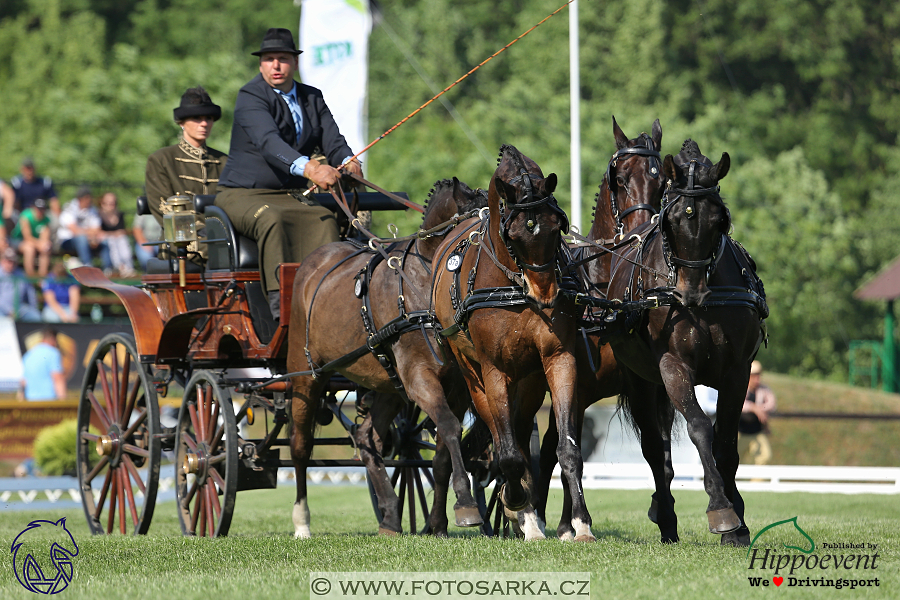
column 411, row 434
column 206, row 457
column 118, row 448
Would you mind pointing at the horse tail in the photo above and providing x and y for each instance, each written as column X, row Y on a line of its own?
column 632, row 407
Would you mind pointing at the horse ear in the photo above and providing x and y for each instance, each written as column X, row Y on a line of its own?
column 669, row 168
column 550, row 183
column 621, row 138
column 656, row 134
column 722, row 167
column 504, row 190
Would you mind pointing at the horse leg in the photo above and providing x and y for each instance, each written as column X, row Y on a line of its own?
column 369, row 439
column 679, row 383
column 512, row 462
column 305, row 395
column 564, row 530
column 561, row 377
column 425, row 388
column 652, row 413
column 731, row 398
column 530, row 394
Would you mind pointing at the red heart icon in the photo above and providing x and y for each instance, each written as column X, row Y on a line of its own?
column 778, row 580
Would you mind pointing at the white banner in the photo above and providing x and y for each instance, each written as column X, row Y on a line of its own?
column 334, row 37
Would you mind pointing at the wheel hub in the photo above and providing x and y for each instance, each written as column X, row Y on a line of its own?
column 110, row 445
column 196, row 463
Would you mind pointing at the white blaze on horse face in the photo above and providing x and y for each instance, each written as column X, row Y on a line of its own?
column 301, row 520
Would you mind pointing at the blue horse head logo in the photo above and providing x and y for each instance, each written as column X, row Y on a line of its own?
column 42, row 556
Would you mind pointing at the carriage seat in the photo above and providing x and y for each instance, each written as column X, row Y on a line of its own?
column 233, row 253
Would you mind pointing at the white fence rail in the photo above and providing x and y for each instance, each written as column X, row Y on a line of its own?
column 750, row 478
column 40, row 493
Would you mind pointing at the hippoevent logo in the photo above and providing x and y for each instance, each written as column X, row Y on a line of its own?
column 838, row 565
column 42, row 556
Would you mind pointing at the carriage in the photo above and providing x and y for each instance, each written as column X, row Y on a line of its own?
column 199, row 327
column 207, row 329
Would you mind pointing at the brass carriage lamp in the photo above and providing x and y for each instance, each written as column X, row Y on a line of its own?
column 180, row 228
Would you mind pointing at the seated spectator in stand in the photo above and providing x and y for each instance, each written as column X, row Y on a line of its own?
column 79, row 230
column 112, row 226
column 31, row 237
column 28, row 187
column 17, row 296
column 8, row 203
column 43, row 378
column 146, row 229
column 62, row 296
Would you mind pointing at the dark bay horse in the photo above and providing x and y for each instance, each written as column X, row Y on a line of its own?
column 629, row 196
column 496, row 294
column 708, row 335
column 343, row 294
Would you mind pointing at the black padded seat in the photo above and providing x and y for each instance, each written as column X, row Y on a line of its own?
column 229, row 250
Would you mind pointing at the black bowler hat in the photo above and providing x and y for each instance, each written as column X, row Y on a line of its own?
column 277, row 40
column 195, row 102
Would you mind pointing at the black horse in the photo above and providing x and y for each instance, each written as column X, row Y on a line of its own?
column 708, row 333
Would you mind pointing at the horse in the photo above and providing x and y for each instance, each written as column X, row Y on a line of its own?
column 344, row 287
column 629, row 195
column 513, row 341
column 707, row 330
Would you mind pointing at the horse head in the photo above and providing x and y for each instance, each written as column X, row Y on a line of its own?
column 694, row 221
column 527, row 222
column 632, row 186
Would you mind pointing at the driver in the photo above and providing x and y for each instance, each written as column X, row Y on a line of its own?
column 280, row 125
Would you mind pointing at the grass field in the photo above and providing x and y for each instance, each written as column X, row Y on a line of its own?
column 260, row 559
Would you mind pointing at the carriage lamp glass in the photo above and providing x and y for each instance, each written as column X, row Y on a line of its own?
column 179, row 223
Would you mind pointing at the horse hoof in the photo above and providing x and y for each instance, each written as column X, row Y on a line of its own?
column 510, row 504
column 737, row 539
column 723, row 520
column 653, row 513
column 388, row 532
column 585, row 538
column 669, row 539
column 468, row 516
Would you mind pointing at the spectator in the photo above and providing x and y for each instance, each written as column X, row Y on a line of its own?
column 112, row 226
column 753, row 428
column 62, row 296
column 146, row 229
column 29, row 186
column 79, row 230
column 43, row 378
column 18, row 299
column 31, row 237
column 8, row 202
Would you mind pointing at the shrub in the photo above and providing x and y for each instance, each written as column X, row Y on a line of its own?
column 54, row 448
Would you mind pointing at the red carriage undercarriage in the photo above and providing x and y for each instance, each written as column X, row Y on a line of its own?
column 203, row 336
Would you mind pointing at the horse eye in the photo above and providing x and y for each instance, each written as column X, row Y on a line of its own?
column 620, row 180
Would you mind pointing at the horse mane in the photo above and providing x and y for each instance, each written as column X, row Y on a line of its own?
column 440, row 183
column 691, row 151
column 513, row 153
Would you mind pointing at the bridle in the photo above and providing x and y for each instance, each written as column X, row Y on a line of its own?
column 688, row 195
column 643, row 148
column 509, row 211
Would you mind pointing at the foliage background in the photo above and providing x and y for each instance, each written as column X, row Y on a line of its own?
column 802, row 94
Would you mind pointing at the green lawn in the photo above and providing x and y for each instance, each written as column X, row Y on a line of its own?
column 260, row 559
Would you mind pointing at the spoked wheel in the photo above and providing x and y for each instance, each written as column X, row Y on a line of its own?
column 206, row 457
column 411, row 434
column 118, row 449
